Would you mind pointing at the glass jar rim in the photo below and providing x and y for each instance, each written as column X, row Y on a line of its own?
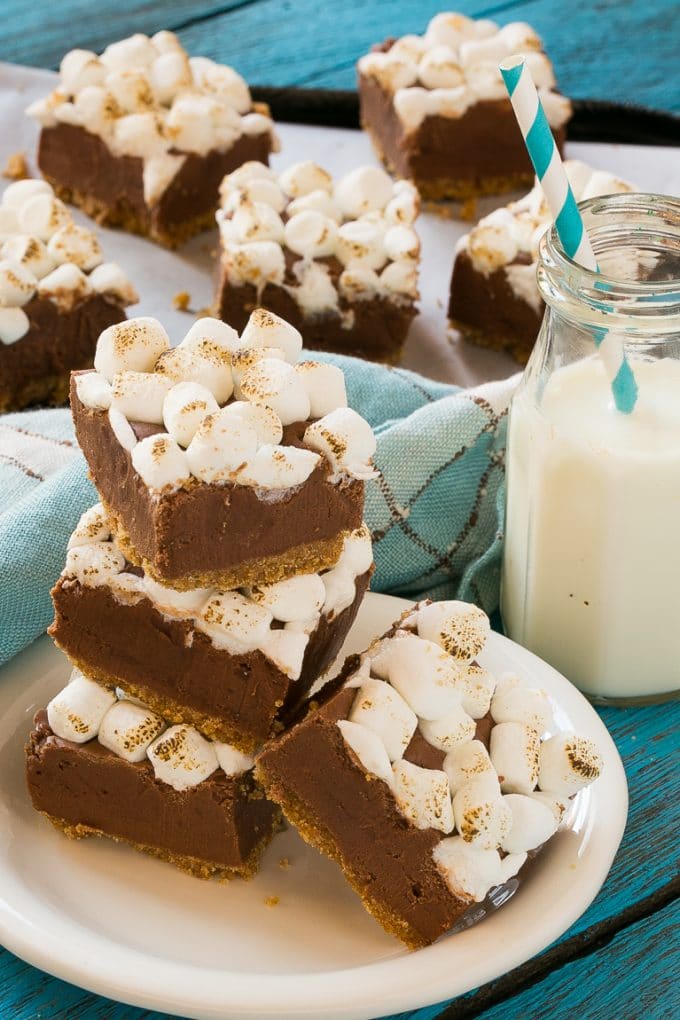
column 600, row 298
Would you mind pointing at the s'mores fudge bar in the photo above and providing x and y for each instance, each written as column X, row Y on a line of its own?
column 338, row 260
column 141, row 136
column 234, row 664
column 56, row 296
column 438, row 112
column 222, row 463
column 100, row 764
column 428, row 781
column 494, row 299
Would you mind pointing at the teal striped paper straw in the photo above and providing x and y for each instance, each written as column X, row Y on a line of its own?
column 552, row 177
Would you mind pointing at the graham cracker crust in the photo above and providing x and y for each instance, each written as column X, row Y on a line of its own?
column 297, row 813
column 47, row 391
column 309, row 558
column 493, row 341
column 126, row 219
column 210, row 726
column 191, row 865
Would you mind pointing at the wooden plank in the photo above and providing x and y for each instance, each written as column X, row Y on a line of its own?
column 639, row 880
column 621, row 51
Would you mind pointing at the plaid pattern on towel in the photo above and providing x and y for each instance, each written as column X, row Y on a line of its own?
column 435, row 511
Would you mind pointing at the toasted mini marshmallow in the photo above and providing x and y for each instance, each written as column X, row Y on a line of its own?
column 234, row 622
column 140, row 395
column 221, row 446
column 213, row 330
column 558, row 803
column 449, row 29
column 232, row 761
column 482, row 817
column 316, row 201
column 205, row 362
column 279, row 467
column 357, row 552
column 93, row 526
column 30, row 253
column 476, row 686
column 346, row 440
column 185, row 405
column 17, row 283
column 532, row 824
column 567, row 763
column 93, row 390
column 514, row 750
column 380, row 708
column 470, row 872
column 76, row 713
column 94, row 563
column 311, row 234
column 18, row 193
column 122, row 429
column 439, row 68
column 222, row 81
column 369, row 749
column 324, row 385
column 258, row 262
column 175, row 603
column 160, row 462
column 265, row 422
column 260, row 189
column 276, row 385
column 297, row 598
column 43, row 215
column 518, row 36
column 303, row 178
column 14, row 324
column 134, row 345
column 256, row 221
column 182, row 758
column 404, row 207
column 423, row 796
column 412, row 106
column 109, row 278
column 515, row 703
column 128, row 730
column 424, row 675
column 360, row 244
column 340, row 587
column 66, row 285
column 459, row 628
column 363, row 190
column 286, row 649
column 359, row 284
column 467, row 761
column 451, row 730
column 265, row 329
column 135, row 51
column 391, row 70
column 170, row 73
column 401, row 243
column 73, row 243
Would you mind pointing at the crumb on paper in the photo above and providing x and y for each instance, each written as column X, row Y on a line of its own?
column 440, row 303
column 181, row 300
column 284, row 863
column 204, row 313
column 272, row 901
column 16, row 167
column 468, row 209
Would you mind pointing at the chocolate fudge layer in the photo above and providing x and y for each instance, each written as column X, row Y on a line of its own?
column 379, row 326
column 489, row 313
column 36, row 369
column 217, row 828
column 178, row 671
column 353, row 818
column 479, row 153
column 222, row 536
column 84, row 171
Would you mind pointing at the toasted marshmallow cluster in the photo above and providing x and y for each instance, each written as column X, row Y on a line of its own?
column 221, row 402
column 491, row 806
column 44, row 254
column 350, row 240
column 454, row 65
column 180, row 756
column 146, row 97
column 274, row 619
column 508, row 238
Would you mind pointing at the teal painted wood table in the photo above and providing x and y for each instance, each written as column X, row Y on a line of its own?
column 620, row 960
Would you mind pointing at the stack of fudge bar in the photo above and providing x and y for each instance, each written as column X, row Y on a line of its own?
column 56, row 296
column 339, row 260
column 207, row 592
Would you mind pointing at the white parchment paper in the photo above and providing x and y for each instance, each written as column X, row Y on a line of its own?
column 431, row 348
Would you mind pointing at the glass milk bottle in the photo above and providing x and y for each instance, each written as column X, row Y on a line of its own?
column 591, row 570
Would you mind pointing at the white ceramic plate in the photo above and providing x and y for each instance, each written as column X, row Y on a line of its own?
column 133, row 928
